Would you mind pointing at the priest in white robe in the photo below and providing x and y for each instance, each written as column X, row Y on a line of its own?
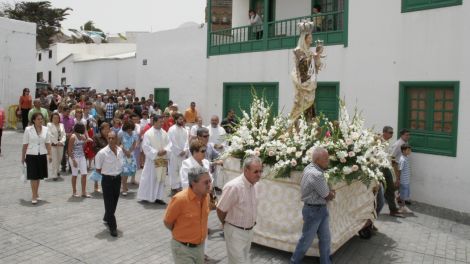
column 178, row 136
column 217, row 134
column 155, row 145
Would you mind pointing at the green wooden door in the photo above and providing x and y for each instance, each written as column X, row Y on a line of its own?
column 326, row 99
column 161, row 96
column 238, row 96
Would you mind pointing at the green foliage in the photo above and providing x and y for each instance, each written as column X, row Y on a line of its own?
column 90, row 26
column 48, row 19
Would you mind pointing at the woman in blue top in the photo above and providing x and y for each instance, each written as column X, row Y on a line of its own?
column 128, row 144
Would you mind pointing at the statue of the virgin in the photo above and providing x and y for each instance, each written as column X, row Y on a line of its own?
column 307, row 65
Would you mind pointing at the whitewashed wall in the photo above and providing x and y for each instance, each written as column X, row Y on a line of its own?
column 176, row 59
column 61, row 55
column 289, row 9
column 105, row 74
column 240, row 13
column 17, row 55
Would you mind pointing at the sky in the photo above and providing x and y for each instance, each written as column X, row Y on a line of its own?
column 119, row 16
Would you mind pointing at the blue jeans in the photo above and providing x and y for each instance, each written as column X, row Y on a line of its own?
column 315, row 223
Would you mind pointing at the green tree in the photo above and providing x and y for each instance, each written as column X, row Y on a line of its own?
column 90, row 26
column 48, row 19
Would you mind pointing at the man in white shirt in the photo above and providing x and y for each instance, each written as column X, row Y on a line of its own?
column 216, row 134
column 178, row 136
column 237, row 211
column 108, row 162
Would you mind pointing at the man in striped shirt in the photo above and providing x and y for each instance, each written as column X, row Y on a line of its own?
column 237, row 211
column 315, row 193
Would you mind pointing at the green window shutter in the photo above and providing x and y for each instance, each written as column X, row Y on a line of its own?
column 327, row 99
column 238, row 96
column 415, row 5
column 161, row 96
column 430, row 111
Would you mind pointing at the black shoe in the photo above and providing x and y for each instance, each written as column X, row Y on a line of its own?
column 397, row 214
column 407, row 202
column 113, row 232
column 158, row 201
column 54, row 179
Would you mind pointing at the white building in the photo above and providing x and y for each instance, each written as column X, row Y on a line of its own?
column 101, row 66
column 17, row 51
column 402, row 62
column 170, row 67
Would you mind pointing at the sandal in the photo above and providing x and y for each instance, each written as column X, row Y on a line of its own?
column 75, row 195
column 86, row 195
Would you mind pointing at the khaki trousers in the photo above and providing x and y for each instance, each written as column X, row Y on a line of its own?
column 56, row 155
column 238, row 243
column 187, row 255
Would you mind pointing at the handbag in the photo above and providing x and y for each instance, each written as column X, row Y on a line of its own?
column 95, row 176
column 24, row 173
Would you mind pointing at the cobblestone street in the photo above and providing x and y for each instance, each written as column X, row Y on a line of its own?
column 63, row 229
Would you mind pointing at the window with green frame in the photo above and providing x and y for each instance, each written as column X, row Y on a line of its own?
column 430, row 111
column 416, row 5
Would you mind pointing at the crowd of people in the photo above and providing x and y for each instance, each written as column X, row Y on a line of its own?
column 117, row 133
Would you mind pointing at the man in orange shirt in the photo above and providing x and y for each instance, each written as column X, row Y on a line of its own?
column 190, row 115
column 186, row 216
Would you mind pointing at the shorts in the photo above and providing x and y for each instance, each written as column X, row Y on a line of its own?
column 404, row 191
column 81, row 166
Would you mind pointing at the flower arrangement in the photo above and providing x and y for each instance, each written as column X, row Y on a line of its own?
column 356, row 153
column 285, row 145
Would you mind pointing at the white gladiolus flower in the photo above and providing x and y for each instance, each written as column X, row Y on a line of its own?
column 298, row 154
column 342, row 160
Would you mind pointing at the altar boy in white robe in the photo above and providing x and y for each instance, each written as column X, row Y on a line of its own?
column 155, row 145
column 178, row 136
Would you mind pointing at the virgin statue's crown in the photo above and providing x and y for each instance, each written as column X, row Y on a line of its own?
column 305, row 26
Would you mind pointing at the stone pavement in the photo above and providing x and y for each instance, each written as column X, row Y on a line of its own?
column 62, row 229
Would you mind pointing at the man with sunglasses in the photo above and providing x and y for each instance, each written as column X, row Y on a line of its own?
column 237, row 210
column 186, row 216
column 211, row 154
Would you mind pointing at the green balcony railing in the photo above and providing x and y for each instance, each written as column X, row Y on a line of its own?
column 331, row 27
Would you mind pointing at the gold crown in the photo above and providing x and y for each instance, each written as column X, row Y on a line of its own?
column 305, row 26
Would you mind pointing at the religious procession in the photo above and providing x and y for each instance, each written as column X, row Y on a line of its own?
column 240, row 150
